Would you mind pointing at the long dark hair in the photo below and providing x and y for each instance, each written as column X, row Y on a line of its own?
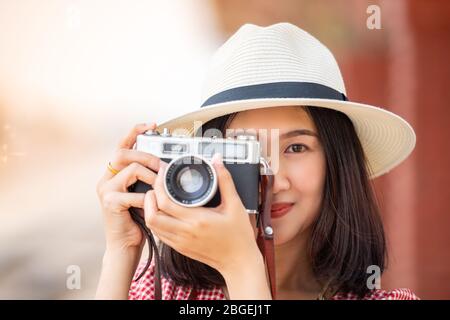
column 347, row 236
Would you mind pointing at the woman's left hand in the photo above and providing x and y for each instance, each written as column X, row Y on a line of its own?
column 221, row 237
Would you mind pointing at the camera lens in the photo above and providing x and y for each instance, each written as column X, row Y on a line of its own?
column 190, row 181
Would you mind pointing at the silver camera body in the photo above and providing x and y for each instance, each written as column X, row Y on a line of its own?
column 190, row 179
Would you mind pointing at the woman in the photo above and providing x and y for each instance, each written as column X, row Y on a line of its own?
column 326, row 222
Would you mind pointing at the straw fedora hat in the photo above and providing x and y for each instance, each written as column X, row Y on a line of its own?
column 282, row 65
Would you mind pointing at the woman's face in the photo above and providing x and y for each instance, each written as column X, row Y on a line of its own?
column 299, row 180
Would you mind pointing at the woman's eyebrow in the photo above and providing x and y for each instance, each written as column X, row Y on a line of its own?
column 298, row 132
column 285, row 135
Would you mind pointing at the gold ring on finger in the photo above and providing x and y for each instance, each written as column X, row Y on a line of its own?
column 112, row 170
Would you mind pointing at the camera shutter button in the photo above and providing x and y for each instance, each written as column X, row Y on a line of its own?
column 166, row 133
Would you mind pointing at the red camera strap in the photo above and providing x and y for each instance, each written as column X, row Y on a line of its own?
column 265, row 231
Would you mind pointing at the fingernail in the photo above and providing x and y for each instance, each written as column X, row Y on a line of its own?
column 217, row 159
column 162, row 166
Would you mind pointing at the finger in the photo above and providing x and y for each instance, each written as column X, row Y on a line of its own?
column 127, row 143
column 129, row 175
column 172, row 240
column 130, row 139
column 119, row 201
column 160, row 222
column 228, row 193
column 167, row 239
column 150, row 205
column 124, row 157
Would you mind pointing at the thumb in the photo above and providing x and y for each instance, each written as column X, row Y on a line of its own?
column 150, row 207
column 228, row 193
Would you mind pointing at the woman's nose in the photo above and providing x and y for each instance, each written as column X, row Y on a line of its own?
column 280, row 182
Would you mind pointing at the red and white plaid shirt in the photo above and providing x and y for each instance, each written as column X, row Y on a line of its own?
column 144, row 289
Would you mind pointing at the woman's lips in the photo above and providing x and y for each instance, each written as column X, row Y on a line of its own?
column 280, row 209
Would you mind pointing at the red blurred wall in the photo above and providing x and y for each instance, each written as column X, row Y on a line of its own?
column 405, row 68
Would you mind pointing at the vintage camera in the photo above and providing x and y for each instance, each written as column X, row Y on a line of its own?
column 190, row 179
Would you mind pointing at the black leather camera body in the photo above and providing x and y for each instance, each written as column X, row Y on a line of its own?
column 190, row 179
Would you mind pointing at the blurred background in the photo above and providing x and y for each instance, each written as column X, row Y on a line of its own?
column 75, row 76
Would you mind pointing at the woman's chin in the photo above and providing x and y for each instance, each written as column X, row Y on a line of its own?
column 282, row 230
column 281, row 238
column 286, row 232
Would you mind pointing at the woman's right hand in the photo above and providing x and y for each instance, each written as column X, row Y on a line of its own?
column 112, row 190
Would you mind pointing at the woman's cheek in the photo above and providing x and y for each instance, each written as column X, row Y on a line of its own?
column 306, row 175
column 312, row 184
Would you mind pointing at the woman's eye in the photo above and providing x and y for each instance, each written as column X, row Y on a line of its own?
column 297, row 148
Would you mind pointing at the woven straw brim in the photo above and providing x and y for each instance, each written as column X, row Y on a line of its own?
column 386, row 138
